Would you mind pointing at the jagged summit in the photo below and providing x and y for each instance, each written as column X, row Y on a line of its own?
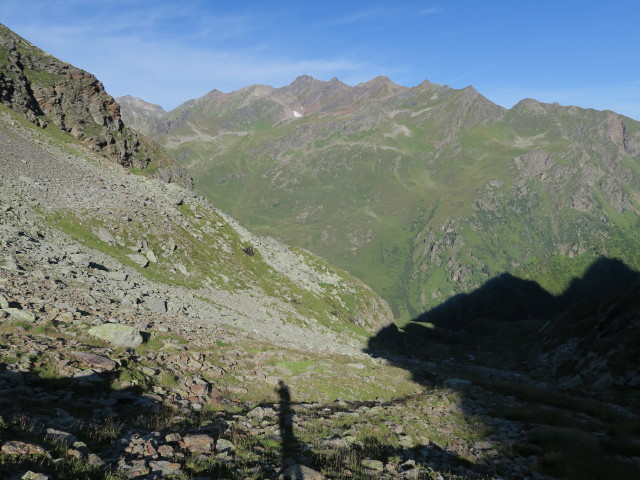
column 378, row 81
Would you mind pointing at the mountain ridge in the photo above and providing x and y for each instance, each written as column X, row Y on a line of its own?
column 412, row 164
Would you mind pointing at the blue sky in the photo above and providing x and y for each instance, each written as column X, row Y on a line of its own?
column 166, row 52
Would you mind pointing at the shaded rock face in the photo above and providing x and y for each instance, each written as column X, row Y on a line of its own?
column 48, row 91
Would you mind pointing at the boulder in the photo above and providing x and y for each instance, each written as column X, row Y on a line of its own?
column 105, row 236
column 198, row 443
column 301, row 472
column 139, row 259
column 151, row 256
column 117, row 334
column 97, row 361
column 22, row 315
column 226, row 446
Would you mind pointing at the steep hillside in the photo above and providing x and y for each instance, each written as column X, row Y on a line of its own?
column 422, row 192
column 49, row 92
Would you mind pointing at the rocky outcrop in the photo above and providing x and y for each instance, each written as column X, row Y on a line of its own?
column 47, row 91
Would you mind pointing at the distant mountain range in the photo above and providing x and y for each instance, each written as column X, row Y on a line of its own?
column 421, row 192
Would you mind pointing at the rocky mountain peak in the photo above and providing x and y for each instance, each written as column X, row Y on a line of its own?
column 305, row 86
column 526, row 102
column 138, row 103
column 304, row 80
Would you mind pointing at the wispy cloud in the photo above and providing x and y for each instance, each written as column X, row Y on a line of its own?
column 362, row 15
column 168, row 73
column 385, row 13
column 431, row 11
column 140, row 51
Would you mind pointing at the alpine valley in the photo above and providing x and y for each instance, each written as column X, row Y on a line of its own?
column 421, row 192
column 146, row 333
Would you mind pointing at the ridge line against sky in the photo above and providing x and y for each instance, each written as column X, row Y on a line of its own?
column 166, row 52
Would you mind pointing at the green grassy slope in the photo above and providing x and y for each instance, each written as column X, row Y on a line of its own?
column 423, row 192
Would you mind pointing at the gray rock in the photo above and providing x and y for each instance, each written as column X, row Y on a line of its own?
column 301, row 472
column 117, row 276
column 22, row 315
column 604, row 382
column 105, row 236
column 406, row 441
column 95, row 461
column 139, row 259
column 117, row 334
column 457, row 383
column 151, row 256
column 335, row 443
column 80, row 259
column 257, row 413
column 182, row 269
column 223, row 445
column 166, row 468
column 60, row 437
column 156, row 305
column 87, row 376
column 34, row 476
column 4, row 303
column 375, row 465
column 356, row 366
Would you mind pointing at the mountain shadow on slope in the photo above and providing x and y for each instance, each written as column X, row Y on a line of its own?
column 509, row 298
column 503, row 298
column 511, row 321
column 556, row 366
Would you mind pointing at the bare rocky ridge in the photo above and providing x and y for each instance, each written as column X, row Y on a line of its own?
column 46, row 90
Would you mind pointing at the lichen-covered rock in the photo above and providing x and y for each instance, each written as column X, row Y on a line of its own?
column 22, row 448
column 117, row 334
column 199, row 443
column 21, row 315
